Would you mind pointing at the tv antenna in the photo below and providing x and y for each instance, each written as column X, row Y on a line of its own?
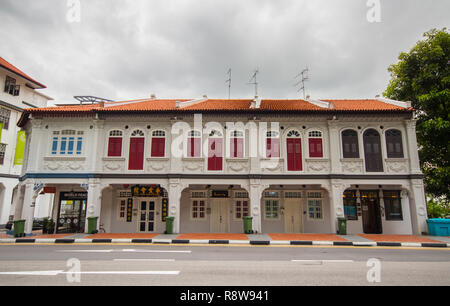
column 255, row 82
column 304, row 77
column 229, row 83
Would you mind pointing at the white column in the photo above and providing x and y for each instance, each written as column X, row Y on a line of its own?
column 5, row 201
column 96, row 151
column 94, row 202
column 335, row 192
column 36, row 141
column 334, row 145
column 407, row 210
column 174, row 191
column 412, row 146
column 255, row 193
column 418, row 209
column 18, row 201
column 28, row 204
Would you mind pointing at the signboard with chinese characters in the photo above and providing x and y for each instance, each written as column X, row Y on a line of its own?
column 145, row 191
column 220, row 194
column 130, row 210
column 164, row 209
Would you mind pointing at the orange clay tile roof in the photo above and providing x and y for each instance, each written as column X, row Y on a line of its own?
column 144, row 105
column 7, row 65
column 219, row 105
column 364, row 104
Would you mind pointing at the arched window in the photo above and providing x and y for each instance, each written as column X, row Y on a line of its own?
column 350, row 147
column 158, row 143
column 136, row 155
column 137, row 133
column 194, row 143
column 215, row 151
column 237, row 144
column 394, row 143
column 272, row 144
column 372, row 151
column 115, row 143
column 315, row 144
column 294, row 151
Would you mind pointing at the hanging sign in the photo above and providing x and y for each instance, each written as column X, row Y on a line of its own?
column 220, row 193
column 145, row 191
column 20, row 148
column 164, row 209
column 49, row 189
column 73, row 195
column 130, row 210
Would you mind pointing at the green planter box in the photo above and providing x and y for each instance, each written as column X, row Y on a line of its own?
column 19, row 228
column 342, row 226
column 169, row 225
column 92, row 225
column 248, row 229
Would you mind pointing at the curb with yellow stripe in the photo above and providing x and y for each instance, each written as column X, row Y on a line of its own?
column 224, row 242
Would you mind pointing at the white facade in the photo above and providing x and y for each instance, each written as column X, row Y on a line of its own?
column 308, row 200
column 11, row 107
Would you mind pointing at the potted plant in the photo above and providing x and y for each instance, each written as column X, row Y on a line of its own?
column 50, row 226
column 44, row 226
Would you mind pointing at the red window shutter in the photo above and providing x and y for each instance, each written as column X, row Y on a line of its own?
column 273, row 147
column 215, row 155
column 237, row 147
column 115, row 146
column 136, row 157
column 194, row 145
column 240, row 147
column 294, row 154
column 158, row 147
column 315, row 147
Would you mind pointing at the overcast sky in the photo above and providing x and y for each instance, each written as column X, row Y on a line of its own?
column 123, row 49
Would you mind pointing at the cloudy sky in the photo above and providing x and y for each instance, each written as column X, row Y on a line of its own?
column 126, row 49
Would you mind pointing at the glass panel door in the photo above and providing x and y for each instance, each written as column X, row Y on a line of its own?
column 147, row 216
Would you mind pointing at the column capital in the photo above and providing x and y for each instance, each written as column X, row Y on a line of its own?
column 99, row 124
column 410, row 124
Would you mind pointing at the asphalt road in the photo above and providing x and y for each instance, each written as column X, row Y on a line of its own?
column 212, row 265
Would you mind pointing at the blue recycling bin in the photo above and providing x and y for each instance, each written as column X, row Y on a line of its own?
column 439, row 227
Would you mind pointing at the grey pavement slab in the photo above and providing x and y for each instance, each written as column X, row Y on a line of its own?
column 258, row 237
column 354, row 238
column 77, row 236
column 440, row 238
column 167, row 236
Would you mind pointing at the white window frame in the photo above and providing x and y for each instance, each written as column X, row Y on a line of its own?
column 111, row 134
column 154, row 134
column 122, row 195
column 311, row 135
column 268, row 197
column 311, row 195
column 58, row 135
column 240, row 135
column 195, row 196
column 240, row 196
column 193, row 134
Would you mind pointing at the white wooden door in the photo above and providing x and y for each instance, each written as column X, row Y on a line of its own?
column 219, row 215
column 147, row 208
column 293, row 215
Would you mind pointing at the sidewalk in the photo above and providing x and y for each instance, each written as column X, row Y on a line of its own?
column 253, row 239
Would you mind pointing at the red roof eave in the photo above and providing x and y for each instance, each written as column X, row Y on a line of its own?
column 10, row 67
